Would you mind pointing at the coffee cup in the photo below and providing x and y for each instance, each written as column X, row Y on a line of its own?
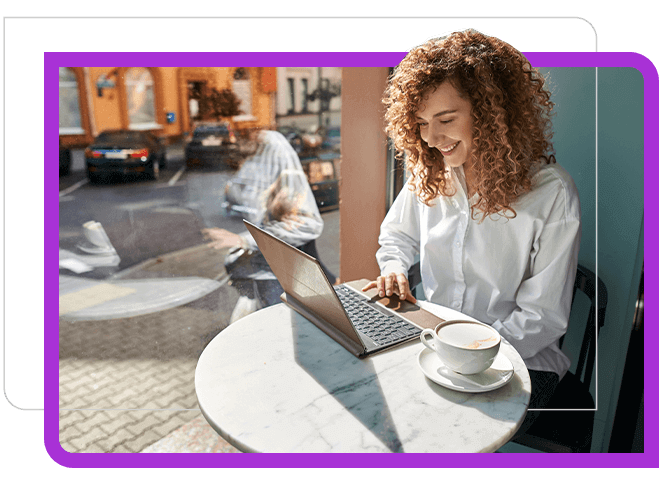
column 466, row 347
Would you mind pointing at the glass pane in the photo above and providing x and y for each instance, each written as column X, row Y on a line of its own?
column 69, row 106
column 140, row 96
column 142, row 291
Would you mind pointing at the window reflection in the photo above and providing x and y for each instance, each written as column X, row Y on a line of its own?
column 141, row 291
column 69, row 103
column 140, row 97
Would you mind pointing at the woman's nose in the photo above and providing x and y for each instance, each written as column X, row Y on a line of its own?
column 434, row 136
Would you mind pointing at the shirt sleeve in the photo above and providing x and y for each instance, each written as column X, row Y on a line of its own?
column 399, row 234
column 544, row 298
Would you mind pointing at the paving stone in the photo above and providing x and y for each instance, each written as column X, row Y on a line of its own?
column 140, row 442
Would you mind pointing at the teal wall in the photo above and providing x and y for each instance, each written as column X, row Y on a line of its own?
column 617, row 205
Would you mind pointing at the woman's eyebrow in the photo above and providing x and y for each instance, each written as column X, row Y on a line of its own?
column 440, row 113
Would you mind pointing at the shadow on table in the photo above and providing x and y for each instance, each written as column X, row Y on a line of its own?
column 351, row 381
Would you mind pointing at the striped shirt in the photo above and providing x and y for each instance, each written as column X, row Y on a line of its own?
column 274, row 172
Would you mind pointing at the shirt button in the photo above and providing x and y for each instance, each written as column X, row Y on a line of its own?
column 458, row 244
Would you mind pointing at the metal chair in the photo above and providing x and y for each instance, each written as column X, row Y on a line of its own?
column 556, row 431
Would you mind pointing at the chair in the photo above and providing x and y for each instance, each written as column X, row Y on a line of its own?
column 570, row 431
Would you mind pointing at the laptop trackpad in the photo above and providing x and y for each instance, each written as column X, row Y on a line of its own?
column 407, row 310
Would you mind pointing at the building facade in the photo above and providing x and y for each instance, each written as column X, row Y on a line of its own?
column 158, row 99
column 294, row 105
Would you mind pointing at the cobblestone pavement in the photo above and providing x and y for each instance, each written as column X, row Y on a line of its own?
column 127, row 383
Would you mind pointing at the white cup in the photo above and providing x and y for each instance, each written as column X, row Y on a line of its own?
column 466, row 347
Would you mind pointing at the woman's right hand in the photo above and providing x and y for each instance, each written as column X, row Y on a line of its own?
column 391, row 283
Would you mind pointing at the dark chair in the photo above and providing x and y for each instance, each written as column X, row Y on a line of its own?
column 571, row 431
column 414, row 278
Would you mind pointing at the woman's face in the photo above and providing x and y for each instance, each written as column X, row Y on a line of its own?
column 445, row 123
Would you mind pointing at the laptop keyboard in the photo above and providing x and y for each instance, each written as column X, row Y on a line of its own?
column 381, row 328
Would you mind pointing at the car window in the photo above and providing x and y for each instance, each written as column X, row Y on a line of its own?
column 206, row 131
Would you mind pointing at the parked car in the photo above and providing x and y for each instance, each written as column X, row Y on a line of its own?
column 293, row 135
column 125, row 152
column 210, row 145
column 332, row 139
column 301, row 141
column 65, row 160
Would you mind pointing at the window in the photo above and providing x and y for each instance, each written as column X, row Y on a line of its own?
column 140, row 99
column 242, row 87
column 70, row 118
column 175, row 293
column 290, row 97
column 304, row 93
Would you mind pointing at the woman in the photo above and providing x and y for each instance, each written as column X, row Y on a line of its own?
column 495, row 220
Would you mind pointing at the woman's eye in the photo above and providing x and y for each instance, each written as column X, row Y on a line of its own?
column 446, row 121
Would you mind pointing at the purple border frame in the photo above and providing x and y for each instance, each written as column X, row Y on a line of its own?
column 53, row 60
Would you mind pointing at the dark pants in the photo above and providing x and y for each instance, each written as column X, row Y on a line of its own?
column 543, row 387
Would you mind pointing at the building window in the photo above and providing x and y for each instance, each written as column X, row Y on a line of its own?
column 140, row 99
column 242, row 87
column 304, row 93
column 290, row 97
column 70, row 118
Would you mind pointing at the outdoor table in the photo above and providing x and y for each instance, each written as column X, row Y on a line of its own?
column 273, row 382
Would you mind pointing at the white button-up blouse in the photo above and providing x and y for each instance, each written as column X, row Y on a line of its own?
column 514, row 274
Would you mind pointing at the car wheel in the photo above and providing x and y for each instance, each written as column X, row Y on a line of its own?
column 155, row 169
column 94, row 178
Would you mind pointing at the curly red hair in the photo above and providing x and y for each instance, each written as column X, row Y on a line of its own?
column 511, row 112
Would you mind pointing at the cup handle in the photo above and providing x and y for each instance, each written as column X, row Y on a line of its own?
column 425, row 332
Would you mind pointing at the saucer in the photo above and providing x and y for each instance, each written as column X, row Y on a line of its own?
column 499, row 373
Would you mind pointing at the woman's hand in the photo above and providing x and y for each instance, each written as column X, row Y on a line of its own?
column 391, row 283
column 221, row 238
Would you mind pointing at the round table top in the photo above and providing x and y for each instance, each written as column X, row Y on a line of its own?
column 274, row 382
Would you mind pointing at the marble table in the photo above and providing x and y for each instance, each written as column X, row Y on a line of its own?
column 273, row 382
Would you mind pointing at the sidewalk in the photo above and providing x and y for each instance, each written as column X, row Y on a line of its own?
column 127, row 380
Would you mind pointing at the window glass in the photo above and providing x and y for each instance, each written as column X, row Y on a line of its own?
column 69, row 104
column 290, row 96
column 242, row 87
column 304, row 94
column 143, row 290
column 140, row 98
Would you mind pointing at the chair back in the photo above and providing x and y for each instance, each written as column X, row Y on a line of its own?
column 585, row 282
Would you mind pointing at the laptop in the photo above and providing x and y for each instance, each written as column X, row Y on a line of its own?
column 362, row 322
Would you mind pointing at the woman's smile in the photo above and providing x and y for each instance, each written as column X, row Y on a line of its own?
column 447, row 150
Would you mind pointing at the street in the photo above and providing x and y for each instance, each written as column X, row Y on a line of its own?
column 132, row 328
column 144, row 218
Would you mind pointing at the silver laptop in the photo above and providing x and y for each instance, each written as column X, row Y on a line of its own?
column 362, row 322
